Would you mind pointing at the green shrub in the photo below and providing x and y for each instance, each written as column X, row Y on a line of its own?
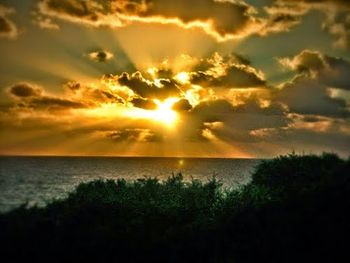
column 294, row 209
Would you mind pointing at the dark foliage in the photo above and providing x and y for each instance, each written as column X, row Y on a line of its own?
column 295, row 209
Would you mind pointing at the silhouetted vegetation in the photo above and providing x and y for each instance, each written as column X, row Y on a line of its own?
column 295, row 209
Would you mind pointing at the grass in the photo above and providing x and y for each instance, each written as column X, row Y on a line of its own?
column 294, row 209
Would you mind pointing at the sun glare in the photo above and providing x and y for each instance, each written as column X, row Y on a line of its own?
column 182, row 77
column 163, row 114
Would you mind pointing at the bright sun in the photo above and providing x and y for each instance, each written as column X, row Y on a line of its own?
column 163, row 114
column 182, row 77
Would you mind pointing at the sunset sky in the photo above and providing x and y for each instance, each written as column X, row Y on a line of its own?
column 200, row 78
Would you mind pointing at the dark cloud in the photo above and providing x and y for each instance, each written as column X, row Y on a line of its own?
column 252, row 105
column 44, row 22
column 148, row 89
column 219, row 119
column 52, row 103
column 144, row 104
column 134, row 135
column 338, row 25
column 241, row 59
column 307, row 61
column 100, row 55
column 5, row 26
column 235, row 77
column 337, row 18
column 213, row 110
column 94, row 95
column 307, row 96
column 311, row 119
column 220, row 19
column 24, row 90
column 182, row 105
column 330, row 71
column 280, row 22
column 251, row 115
column 226, row 17
column 282, row 16
column 86, row 11
column 309, row 92
column 30, row 96
column 240, row 76
column 339, row 2
column 311, row 133
column 8, row 28
column 232, row 71
column 338, row 73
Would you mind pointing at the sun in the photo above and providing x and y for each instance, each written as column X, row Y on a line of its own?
column 164, row 112
column 182, row 77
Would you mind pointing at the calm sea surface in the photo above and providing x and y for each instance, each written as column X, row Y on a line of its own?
column 36, row 180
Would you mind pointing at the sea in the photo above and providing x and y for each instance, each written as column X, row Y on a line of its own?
column 35, row 181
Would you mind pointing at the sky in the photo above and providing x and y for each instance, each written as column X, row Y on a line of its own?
column 185, row 78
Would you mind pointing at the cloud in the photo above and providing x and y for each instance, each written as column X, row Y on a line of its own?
column 100, row 55
column 30, row 96
column 307, row 61
column 335, row 2
column 94, row 95
column 45, row 22
column 309, row 92
column 309, row 133
column 282, row 16
column 305, row 95
column 8, row 28
column 133, row 135
column 227, row 72
column 213, row 110
column 54, row 103
column 337, row 22
column 93, row 13
column 182, row 105
column 144, row 104
column 222, row 19
column 240, row 76
column 234, row 77
column 162, row 89
column 251, row 116
column 330, row 71
column 221, row 120
column 23, row 90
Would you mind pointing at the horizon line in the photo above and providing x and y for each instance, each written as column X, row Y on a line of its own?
column 131, row 156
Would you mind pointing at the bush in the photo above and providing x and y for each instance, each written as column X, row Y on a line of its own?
column 294, row 209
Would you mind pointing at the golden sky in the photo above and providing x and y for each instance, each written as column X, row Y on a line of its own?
column 199, row 78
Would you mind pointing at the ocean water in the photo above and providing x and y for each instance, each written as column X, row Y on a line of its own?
column 37, row 180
